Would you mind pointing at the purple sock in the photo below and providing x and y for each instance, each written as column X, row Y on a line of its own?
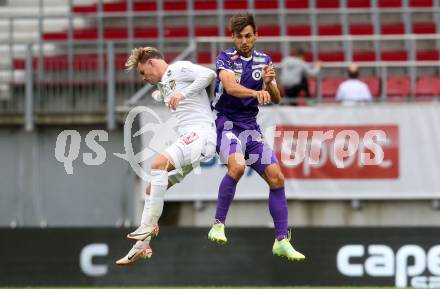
column 278, row 211
column 226, row 194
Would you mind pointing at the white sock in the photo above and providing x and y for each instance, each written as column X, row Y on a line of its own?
column 159, row 184
column 144, row 218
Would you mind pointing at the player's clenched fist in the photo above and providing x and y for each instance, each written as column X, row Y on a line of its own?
column 175, row 100
column 268, row 74
column 262, row 96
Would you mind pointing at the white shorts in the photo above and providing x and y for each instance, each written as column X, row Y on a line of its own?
column 192, row 147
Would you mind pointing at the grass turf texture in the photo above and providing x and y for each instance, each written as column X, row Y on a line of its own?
column 207, row 287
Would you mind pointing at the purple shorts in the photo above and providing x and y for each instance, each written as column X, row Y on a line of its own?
column 233, row 138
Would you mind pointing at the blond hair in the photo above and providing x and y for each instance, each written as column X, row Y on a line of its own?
column 141, row 55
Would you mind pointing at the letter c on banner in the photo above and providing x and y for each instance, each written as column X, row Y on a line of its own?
column 343, row 260
column 86, row 260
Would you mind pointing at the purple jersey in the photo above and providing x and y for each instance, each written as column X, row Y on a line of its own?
column 242, row 111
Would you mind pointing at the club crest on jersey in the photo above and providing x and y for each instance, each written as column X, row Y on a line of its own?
column 237, row 77
column 256, row 74
column 172, row 84
column 259, row 59
column 189, row 138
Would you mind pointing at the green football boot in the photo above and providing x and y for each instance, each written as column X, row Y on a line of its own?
column 217, row 234
column 284, row 249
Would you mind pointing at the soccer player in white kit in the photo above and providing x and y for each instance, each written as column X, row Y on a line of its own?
column 182, row 88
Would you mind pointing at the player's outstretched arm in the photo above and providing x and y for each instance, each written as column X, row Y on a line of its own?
column 233, row 88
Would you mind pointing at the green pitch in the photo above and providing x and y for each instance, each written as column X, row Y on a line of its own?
column 305, row 287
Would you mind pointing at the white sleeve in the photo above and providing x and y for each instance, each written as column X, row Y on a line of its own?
column 201, row 77
column 340, row 93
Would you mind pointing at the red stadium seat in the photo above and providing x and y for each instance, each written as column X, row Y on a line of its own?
column 427, row 55
column 331, row 56
column 205, row 4
column 330, row 86
column 115, row 33
column 424, row 28
column 235, row 4
column 330, row 29
column 85, row 34
column 269, row 30
column 175, row 5
column 55, row 36
column 358, row 4
column 364, row 56
column 361, row 29
column 299, row 30
column 297, row 4
column 266, row 4
column 421, row 3
column 206, row 30
column 308, row 56
column 399, row 55
column 390, row 3
column 327, row 4
column 115, row 7
column 275, row 55
column 84, row 9
column 373, row 84
column 428, row 86
column 169, row 56
column 398, row 86
column 145, row 32
column 145, row 6
column 176, row 32
column 204, row 57
column 312, row 86
column 392, row 28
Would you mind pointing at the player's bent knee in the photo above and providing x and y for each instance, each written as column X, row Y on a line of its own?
column 276, row 180
column 159, row 163
column 236, row 170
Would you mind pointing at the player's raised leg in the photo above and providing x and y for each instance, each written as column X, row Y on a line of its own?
column 226, row 193
column 279, row 212
column 152, row 212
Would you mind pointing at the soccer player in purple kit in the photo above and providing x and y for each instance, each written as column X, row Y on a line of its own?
column 246, row 79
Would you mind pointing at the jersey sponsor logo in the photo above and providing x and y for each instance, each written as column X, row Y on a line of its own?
column 189, row 138
column 256, row 74
column 259, row 59
column 258, row 66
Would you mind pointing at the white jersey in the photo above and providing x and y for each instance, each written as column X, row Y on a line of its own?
column 190, row 80
column 353, row 90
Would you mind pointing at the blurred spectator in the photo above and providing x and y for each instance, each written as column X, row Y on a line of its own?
column 294, row 73
column 353, row 90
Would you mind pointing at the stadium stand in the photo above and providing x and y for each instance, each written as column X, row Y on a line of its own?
column 387, row 40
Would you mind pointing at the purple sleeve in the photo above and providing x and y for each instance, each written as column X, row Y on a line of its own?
column 269, row 61
column 223, row 62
